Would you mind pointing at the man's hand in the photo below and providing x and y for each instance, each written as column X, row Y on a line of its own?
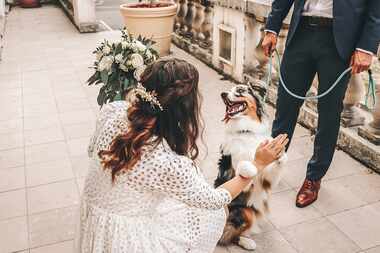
column 269, row 43
column 360, row 61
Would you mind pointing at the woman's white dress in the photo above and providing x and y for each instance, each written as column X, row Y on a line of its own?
column 162, row 205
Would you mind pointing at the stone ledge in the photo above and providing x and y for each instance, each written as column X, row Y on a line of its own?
column 205, row 55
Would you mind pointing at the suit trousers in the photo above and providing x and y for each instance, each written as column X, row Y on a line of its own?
column 312, row 51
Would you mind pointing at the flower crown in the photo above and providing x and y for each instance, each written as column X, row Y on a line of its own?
column 147, row 96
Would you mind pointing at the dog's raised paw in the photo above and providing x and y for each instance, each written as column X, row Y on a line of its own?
column 247, row 243
column 246, row 169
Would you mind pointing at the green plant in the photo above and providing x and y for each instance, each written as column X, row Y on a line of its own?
column 118, row 65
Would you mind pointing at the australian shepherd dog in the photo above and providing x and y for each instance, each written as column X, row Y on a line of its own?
column 246, row 127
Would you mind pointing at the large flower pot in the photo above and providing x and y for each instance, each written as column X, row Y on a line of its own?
column 154, row 21
column 30, row 3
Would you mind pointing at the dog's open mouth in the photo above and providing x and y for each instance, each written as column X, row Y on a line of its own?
column 233, row 108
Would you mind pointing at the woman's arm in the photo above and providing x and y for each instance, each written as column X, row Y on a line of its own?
column 179, row 178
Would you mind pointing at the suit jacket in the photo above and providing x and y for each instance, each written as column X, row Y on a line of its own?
column 356, row 23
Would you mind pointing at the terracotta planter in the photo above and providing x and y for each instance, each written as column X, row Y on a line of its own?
column 154, row 22
column 30, row 3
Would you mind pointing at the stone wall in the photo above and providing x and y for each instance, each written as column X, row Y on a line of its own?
column 81, row 13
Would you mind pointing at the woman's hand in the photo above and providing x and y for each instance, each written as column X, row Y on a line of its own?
column 269, row 151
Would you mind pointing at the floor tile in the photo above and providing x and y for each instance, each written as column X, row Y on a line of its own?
column 11, row 126
column 11, row 158
column 46, row 152
column 272, row 242
column 63, row 247
column 41, row 122
column 69, row 105
column 53, row 226
column 40, row 198
column 40, row 109
column 48, row 172
column 363, row 186
column 330, row 239
column 79, row 130
column 44, row 135
column 362, row 225
column 80, row 165
column 12, row 204
column 344, row 165
column 373, row 250
column 284, row 212
column 12, row 178
column 13, row 235
column 10, row 141
column 78, row 147
column 295, row 172
column 336, row 196
column 70, row 118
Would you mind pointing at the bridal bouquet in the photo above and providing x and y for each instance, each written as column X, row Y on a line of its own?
column 118, row 65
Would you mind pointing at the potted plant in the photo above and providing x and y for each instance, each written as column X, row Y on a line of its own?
column 118, row 65
column 30, row 3
column 152, row 20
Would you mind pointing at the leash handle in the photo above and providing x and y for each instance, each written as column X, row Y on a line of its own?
column 371, row 83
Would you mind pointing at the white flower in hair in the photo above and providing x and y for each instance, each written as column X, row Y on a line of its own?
column 137, row 60
column 138, row 72
column 147, row 96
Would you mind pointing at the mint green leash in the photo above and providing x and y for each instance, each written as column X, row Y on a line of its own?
column 370, row 92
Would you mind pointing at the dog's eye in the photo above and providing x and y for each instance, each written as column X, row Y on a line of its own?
column 240, row 90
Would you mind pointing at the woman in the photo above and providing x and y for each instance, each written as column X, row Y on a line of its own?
column 143, row 192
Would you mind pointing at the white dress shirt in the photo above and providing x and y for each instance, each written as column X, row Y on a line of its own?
column 318, row 8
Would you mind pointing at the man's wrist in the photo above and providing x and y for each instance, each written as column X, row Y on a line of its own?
column 270, row 31
column 364, row 51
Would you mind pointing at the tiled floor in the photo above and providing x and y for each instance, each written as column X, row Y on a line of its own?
column 47, row 114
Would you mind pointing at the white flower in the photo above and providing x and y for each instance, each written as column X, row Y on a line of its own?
column 123, row 67
column 124, row 44
column 98, row 55
column 137, row 60
column 119, row 58
column 140, row 46
column 106, row 50
column 138, row 72
column 105, row 63
column 149, row 54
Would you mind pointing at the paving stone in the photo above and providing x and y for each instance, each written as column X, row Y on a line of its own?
column 12, row 204
column 12, row 178
column 11, row 158
column 52, row 196
column 317, row 236
column 48, row 172
column 284, row 212
column 46, row 152
column 63, row 247
column 362, row 225
column 13, row 235
column 53, row 226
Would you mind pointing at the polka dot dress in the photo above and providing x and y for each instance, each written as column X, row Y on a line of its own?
column 162, row 205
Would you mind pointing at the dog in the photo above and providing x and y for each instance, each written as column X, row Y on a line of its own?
column 246, row 127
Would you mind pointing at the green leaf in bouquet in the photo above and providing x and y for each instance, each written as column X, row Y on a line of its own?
column 126, row 83
column 118, row 97
column 93, row 78
column 101, row 99
column 104, row 76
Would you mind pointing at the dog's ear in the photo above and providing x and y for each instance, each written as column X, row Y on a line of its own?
column 258, row 88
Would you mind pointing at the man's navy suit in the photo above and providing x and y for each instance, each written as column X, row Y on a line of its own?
column 325, row 51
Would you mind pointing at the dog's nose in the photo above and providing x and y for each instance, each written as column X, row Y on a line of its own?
column 224, row 95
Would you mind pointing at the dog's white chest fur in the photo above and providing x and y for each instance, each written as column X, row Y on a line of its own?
column 243, row 136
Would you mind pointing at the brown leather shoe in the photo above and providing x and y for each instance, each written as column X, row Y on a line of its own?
column 308, row 193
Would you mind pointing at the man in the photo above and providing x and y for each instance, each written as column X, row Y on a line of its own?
column 325, row 37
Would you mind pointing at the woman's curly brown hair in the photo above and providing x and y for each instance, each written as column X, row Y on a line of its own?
column 176, row 84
